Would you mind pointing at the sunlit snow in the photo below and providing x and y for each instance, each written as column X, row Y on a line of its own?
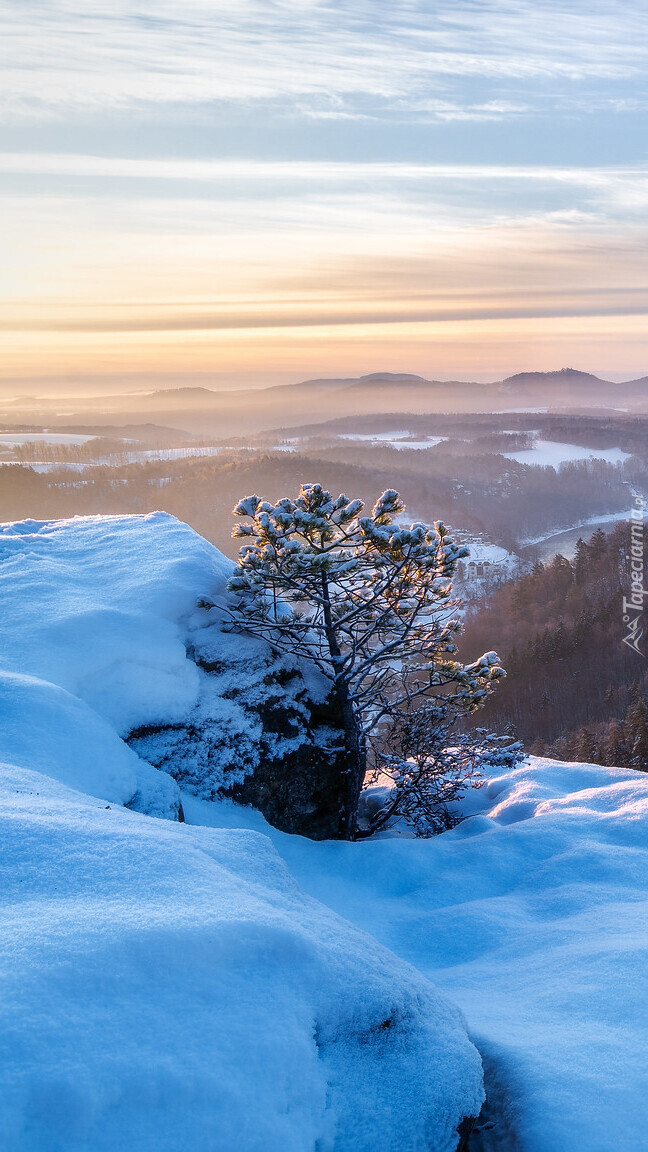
column 550, row 452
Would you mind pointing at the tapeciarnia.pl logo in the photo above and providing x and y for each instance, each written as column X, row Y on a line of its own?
column 633, row 606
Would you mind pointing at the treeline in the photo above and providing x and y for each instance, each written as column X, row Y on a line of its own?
column 201, row 491
column 509, row 501
column 628, row 432
column 617, row 743
column 574, row 689
column 98, row 448
column 481, row 494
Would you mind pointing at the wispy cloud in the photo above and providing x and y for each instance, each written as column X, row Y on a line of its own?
column 215, row 50
column 343, row 195
column 133, row 242
column 79, row 164
column 230, row 245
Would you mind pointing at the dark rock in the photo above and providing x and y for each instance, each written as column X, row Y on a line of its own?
column 464, row 1130
column 263, row 733
column 303, row 791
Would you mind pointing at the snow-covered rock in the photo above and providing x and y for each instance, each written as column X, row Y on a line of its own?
column 97, row 604
column 166, row 986
column 44, row 727
column 106, row 608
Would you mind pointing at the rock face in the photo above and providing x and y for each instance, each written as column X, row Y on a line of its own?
column 264, row 733
column 302, row 791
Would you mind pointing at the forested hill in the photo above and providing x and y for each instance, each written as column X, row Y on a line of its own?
column 469, row 486
column 574, row 689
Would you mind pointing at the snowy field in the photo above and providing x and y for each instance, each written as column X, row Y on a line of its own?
column 551, row 452
column 218, row 985
column 16, row 438
column 399, row 439
column 119, row 459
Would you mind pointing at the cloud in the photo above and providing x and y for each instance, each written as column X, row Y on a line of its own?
column 80, row 164
column 123, row 237
column 323, row 195
column 167, row 322
column 152, row 51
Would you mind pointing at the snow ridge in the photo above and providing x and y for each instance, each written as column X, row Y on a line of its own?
column 169, row 986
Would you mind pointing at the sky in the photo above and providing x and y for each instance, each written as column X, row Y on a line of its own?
column 252, row 192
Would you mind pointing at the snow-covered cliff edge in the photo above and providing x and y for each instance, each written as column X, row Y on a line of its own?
column 106, row 608
column 166, row 986
column 172, row 986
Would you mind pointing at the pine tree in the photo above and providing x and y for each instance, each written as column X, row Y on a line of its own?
column 431, row 765
column 581, row 561
column 367, row 601
column 637, row 729
column 615, row 746
column 598, row 545
column 587, row 747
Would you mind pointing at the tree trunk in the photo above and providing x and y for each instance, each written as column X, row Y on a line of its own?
column 353, row 739
column 356, row 758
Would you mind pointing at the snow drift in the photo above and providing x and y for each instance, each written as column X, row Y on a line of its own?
column 533, row 915
column 166, row 986
column 169, row 986
column 98, row 605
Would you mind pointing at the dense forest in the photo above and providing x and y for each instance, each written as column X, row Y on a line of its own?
column 476, row 492
column 574, row 689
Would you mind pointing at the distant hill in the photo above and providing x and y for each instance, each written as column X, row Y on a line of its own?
column 564, row 377
column 186, row 392
column 640, row 385
column 206, row 412
column 395, row 377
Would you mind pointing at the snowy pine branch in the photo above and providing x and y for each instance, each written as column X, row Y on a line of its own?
column 366, row 600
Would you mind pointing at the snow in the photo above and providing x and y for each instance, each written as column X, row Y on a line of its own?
column 112, row 460
column 550, row 452
column 40, row 465
column 418, row 445
column 218, row 984
column 532, row 915
column 98, row 605
column 481, row 550
column 15, row 438
column 46, row 728
column 398, row 440
column 168, row 986
column 175, row 453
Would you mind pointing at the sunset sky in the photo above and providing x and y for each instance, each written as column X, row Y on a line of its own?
column 226, row 192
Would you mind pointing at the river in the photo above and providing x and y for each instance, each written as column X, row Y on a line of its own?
column 565, row 542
